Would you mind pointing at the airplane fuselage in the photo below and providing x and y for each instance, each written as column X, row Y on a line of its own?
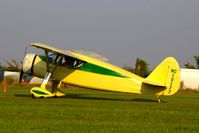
column 90, row 70
column 93, row 76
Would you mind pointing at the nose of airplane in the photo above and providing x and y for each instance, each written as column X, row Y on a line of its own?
column 28, row 63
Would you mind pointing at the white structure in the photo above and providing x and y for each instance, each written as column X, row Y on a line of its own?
column 190, row 79
column 11, row 76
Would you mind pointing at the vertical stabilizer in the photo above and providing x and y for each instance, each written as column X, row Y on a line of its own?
column 167, row 73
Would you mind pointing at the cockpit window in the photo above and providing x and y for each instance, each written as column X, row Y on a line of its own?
column 71, row 62
column 52, row 57
column 65, row 61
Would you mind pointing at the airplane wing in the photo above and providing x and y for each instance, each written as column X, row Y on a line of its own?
column 92, row 55
column 70, row 53
column 54, row 50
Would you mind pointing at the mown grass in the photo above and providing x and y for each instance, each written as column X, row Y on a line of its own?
column 90, row 111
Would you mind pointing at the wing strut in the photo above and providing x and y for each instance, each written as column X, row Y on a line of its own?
column 47, row 59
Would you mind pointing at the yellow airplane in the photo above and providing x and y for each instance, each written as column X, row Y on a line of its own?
column 90, row 70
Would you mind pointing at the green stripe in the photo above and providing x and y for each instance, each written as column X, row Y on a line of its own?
column 43, row 58
column 100, row 70
column 39, row 92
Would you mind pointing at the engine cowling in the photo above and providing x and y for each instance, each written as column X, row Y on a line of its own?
column 33, row 65
column 28, row 63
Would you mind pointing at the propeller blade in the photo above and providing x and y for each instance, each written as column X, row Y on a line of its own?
column 21, row 75
column 25, row 52
column 21, row 71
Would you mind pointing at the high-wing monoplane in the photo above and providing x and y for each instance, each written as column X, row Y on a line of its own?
column 92, row 71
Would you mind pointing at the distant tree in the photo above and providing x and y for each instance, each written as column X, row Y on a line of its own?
column 191, row 66
column 197, row 61
column 2, row 67
column 141, row 68
column 128, row 68
column 13, row 65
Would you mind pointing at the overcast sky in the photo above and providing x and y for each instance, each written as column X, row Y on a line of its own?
column 121, row 30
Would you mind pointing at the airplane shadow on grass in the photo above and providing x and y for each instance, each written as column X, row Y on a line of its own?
column 84, row 97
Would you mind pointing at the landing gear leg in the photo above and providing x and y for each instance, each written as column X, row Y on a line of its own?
column 159, row 100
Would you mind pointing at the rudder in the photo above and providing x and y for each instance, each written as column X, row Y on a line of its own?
column 167, row 73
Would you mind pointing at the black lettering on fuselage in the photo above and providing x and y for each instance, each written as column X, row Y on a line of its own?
column 173, row 72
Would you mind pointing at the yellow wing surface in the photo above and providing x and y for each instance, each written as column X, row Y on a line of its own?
column 165, row 79
column 52, row 49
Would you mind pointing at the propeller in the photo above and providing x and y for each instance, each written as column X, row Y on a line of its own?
column 21, row 75
column 21, row 71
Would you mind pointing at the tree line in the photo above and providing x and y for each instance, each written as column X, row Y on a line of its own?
column 11, row 65
column 193, row 66
column 141, row 67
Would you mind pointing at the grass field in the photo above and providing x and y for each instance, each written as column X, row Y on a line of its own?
column 96, row 111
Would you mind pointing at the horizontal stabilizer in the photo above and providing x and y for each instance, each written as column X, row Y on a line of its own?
column 154, row 83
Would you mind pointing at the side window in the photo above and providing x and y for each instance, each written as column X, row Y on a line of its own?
column 55, row 58
column 51, row 57
column 58, row 60
column 78, row 64
column 71, row 62
column 65, row 62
